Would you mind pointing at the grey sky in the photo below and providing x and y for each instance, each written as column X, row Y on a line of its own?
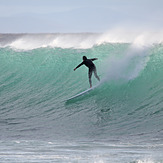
column 78, row 15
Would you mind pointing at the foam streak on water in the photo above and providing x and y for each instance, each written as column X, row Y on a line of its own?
column 41, row 151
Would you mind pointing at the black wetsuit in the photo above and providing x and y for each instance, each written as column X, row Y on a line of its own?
column 88, row 63
column 92, row 68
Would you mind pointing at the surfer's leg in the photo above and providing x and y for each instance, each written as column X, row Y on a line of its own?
column 90, row 75
column 95, row 73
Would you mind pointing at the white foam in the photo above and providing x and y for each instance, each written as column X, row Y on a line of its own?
column 86, row 40
column 126, row 66
column 145, row 161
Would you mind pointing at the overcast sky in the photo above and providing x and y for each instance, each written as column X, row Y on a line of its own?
column 35, row 16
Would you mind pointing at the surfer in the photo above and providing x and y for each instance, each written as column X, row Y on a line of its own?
column 91, row 66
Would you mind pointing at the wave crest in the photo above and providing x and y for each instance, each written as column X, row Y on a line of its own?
column 79, row 40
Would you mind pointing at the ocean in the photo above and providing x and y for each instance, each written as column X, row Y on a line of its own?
column 120, row 121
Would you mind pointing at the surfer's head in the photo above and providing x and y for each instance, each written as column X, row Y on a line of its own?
column 84, row 58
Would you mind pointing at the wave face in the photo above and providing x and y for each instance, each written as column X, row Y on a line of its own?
column 36, row 79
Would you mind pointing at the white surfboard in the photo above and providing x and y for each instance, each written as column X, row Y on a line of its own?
column 82, row 93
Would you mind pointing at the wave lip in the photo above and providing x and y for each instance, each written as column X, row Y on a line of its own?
column 79, row 40
column 34, row 41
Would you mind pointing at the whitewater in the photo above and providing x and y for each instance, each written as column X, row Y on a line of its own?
column 119, row 121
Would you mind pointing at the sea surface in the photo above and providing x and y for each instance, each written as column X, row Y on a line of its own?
column 120, row 121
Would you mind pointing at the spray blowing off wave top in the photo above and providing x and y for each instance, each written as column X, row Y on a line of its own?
column 78, row 40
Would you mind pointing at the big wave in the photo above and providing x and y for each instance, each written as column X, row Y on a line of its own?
column 36, row 79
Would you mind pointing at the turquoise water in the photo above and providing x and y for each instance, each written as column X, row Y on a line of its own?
column 118, row 121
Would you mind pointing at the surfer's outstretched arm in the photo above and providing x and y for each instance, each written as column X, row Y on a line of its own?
column 78, row 66
column 94, row 59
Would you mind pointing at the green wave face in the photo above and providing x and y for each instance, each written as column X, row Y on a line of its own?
column 128, row 102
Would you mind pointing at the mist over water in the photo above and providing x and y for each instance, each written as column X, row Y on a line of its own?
column 139, row 38
column 121, row 117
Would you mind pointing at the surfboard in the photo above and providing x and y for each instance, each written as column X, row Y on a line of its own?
column 84, row 92
column 81, row 94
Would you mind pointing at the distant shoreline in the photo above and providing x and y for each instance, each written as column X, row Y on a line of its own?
column 51, row 33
